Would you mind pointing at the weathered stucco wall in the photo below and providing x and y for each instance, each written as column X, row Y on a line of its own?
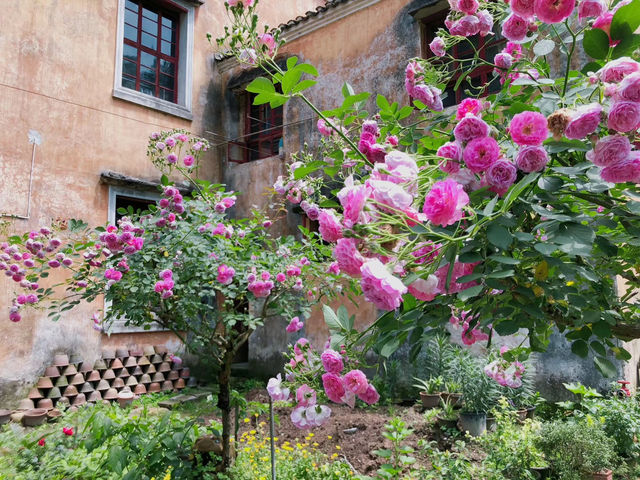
column 56, row 77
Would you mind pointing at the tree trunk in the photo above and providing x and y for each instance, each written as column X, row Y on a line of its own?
column 224, row 404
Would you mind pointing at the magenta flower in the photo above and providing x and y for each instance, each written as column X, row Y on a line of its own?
column 554, row 11
column 616, row 70
column 112, row 274
column 624, row 116
column 515, row 28
column 323, row 128
column 333, row 387
column 390, row 194
column 348, row 257
column 305, row 395
column 469, row 128
column 610, row 150
column 260, row 289
column 468, row 105
column 356, row 382
column 352, row 197
column 268, row 41
column 438, row 46
column 425, row 289
column 225, row 274
column 590, row 9
column 188, row 161
column 295, row 325
column 281, row 277
column 622, row 172
column 584, row 121
column 466, row 6
column 444, row 202
column 500, row 176
column 276, row 392
column 370, row 396
column 523, row 8
column 380, row 287
column 528, row 128
column 429, row 95
column 329, row 225
column 481, row 153
column 332, row 361
column 532, row 159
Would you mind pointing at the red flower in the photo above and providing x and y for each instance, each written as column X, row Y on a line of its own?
column 41, row 442
column 67, row 431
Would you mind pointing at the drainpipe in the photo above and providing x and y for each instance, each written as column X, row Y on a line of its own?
column 34, row 139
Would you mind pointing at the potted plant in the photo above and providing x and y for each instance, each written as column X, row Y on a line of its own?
column 430, row 391
column 451, row 393
column 448, row 417
column 478, row 394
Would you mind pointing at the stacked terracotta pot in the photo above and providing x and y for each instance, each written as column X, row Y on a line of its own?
column 71, row 381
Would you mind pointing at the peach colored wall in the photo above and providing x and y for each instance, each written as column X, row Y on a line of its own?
column 56, row 77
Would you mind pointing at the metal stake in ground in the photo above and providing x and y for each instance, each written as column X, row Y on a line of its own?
column 273, row 445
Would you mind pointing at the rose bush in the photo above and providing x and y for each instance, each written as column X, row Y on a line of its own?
column 530, row 227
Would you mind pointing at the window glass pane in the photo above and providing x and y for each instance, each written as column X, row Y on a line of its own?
column 149, row 26
column 147, row 89
column 166, row 81
column 129, row 68
column 131, row 18
column 149, row 41
column 147, row 75
column 167, row 95
column 130, row 53
column 148, row 60
column 168, row 34
column 129, row 83
column 168, row 22
column 149, row 14
column 130, row 33
column 168, row 48
column 131, row 5
column 167, row 67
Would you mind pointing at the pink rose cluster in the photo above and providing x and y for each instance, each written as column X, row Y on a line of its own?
column 169, row 206
column 308, row 413
column 368, row 143
column 165, row 286
column 419, row 90
column 168, row 146
column 507, row 374
column 120, row 239
column 295, row 325
column 240, row 3
column 222, row 204
column 468, row 335
column 466, row 19
column 225, row 274
column 524, row 14
column 260, row 286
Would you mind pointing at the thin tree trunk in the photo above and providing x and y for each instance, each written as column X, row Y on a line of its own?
column 224, row 404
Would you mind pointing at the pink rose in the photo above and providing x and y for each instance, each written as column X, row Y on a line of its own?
column 486, row 22
column 225, row 274
column 323, row 128
column 629, row 88
column 443, row 204
column 523, row 8
column 305, row 395
column 590, row 9
column 275, row 390
column 438, row 47
column 554, row 11
column 266, row 40
column 370, row 396
column 615, row 70
column 295, row 325
column 427, row 94
column 470, row 127
column 515, row 28
column 603, row 22
column 390, row 194
column 333, row 387
column 356, row 382
column 480, row 153
column 528, row 128
column 532, row 159
column 380, row 287
column 503, row 61
column 584, row 121
column 609, row 150
column 624, row 116
column 425, row 289
column 500, row 176
column 622, row 172
column 450, row 150
column 332, row 362
column 329, row 225
column 347, row 255
column 468, row 105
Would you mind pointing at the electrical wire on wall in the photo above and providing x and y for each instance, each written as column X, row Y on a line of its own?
column 35, row 139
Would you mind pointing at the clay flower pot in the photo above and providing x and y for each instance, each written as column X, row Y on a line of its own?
column 451, row 398
column 34, row 417
column 179, row 384
column 5, row 416
column 110, row 394
column 602, row 475
column 151, row 369
column 100, row 364
column 136, row 352
column 75, row 358
column 124, row 373
column 137, row 371
column 70, row 370
column 85, row 367
column 78, row 379
column 53, row 414
column 117, row 363
column 35, row 394
column 63, row 402
column 158, row 377
column 45, row 403
column 103, row 385
column 70, row 391
column 146, row 379
column 118, row 383
column 94, row 376
column 156, row 359
column 60, row 360
column 142, row 361
column 447, row 422
column 52, row 372
column 140, row 389
column 25, row 404
column 154, row 387
column 130, row 362
column 122, row 352
column 108, row 375
column 185, row 373
column 86, row 388
column 62, row 381
column 149, row 350
column 173, row 375
column 79, row 400
column 164, row 367
column 160, row 349
column 167, row 386
column 94, row 397
column 131, row 382
column 54, row 393
column 430, row 400
column 108, row 353
column 44, row 382
column 125, row 397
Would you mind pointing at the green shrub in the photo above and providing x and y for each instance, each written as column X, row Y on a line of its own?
column 575, row 449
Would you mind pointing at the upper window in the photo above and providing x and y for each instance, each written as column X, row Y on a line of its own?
column 481, row 80
column 154, row 54
column 150, row 53
column 263, row 133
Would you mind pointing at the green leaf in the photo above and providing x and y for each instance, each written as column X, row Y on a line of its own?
column 382, row 102
column 545, row 248
column 550, row 184
column 303, row 85
column 505, row 260
column 544, row 47
column 580, row 348
column 488, row 210
column 290, row 79
column 601, row 329
column 506, row 327
column 347, row 90
column 597, row 347
column 330, row 318
column 261, row 85
column 625, row 21
column 591, row 67
column 596, row 43
column 291, row 62
column 470, row 292
column 626, row 46
column 605, row 366
column 499, row 236
column 390, row 347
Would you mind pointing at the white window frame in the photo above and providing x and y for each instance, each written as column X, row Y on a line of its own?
column 118, row 325
column 183, row 107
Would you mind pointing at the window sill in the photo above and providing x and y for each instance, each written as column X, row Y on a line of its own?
column 152, row 102
column 120, row 327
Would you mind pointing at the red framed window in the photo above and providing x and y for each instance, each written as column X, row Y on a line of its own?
column 482, row 75
column 263, row 130
column 150, row 48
